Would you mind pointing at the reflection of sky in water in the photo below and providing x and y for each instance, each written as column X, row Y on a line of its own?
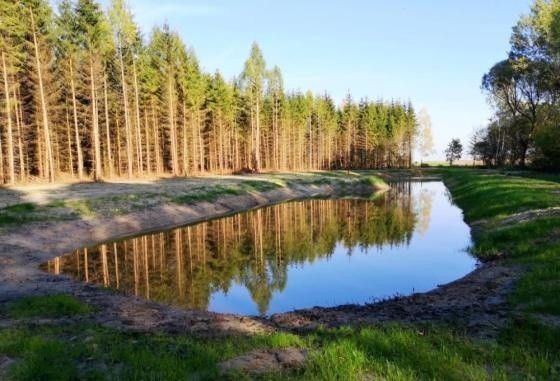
column 433, row 257
column 190, row 266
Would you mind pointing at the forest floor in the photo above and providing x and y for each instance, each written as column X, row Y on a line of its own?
column 500, row 322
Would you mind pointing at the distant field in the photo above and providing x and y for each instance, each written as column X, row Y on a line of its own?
column 456, row 163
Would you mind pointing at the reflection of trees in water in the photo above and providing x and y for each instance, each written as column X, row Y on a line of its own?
column 185, row 266
column 423, row 205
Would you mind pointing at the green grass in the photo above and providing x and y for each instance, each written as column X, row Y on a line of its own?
column 210, row 194
column 490, row 195
column 373, row 181
column 389, row 352
column 260, row 186
column 50, row 306
column 206, row 194
column 534, row 245
column 17, row 214
column 88, row 352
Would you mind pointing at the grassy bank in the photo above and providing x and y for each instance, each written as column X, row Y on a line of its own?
column 529, row 348
column 69, row 202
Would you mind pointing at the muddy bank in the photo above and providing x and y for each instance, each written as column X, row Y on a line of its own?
column 476, row 303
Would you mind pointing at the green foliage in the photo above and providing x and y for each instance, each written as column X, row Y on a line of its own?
column 453, row 151
column 524, row 90
column 391, row 353
column 472, row 191
column 50, row 306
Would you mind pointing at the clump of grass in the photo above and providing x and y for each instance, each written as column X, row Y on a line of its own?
column 205, row 194
column 213, row 193
column 20, row 208
column 17, row 214
column 373, row 181
column 83, row 208
column 259, row 186
column 50, row 306
column 87, row 352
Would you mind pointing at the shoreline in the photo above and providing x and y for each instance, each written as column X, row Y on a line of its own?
column 451, row 303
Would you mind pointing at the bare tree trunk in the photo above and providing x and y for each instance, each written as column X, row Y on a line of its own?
column 19, row 122
column 257, row 158
column 76, row 129
column 185, row 141
column 156, row 139
column 107, row 132
column 138, row 120
column 95, row 126
column 46, row 131
column 9, row 138
column 148, row 154
column 69, row 142
column 119, row 158
column 172, row 131
column 200, row 141
column 128, row 133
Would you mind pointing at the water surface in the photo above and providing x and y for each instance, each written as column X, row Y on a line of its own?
column 293, row 255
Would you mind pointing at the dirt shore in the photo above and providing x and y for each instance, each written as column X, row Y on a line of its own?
column 475, row 302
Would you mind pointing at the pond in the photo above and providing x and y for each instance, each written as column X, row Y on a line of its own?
column 317, row 252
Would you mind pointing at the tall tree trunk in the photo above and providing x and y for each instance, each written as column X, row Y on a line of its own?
column 185, row 141
column 19, row 123
column 107, row 131
column 9, row 138
column 119, row 157
column 79, row 153
column 46, row 130
column 95, row 126
column 172, row 131
column 157, row 153
column 69, row 142
column 200, row 141
column 128, row 132
column 148, row 154
column 138, row 121
column 257, row 157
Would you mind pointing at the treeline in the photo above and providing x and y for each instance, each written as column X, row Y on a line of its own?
column 525, row 90
column 255, row 249
column 84, row 95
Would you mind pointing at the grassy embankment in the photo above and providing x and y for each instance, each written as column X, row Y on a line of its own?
column 82, row 200
column 527, row 349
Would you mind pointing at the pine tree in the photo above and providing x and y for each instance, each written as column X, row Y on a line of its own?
column 253, row 80
column 95, row 42
column 12, row 55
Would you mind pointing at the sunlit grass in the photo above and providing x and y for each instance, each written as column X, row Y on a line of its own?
column 488, row 194
column 390, row 352
column 50, row 306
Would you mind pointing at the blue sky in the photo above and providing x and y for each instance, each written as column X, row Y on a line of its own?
column 433, row 52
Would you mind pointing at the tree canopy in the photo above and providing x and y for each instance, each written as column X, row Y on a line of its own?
column 524, row 90
column 85, row 95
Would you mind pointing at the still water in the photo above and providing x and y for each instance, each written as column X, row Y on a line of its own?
column 288, row 256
